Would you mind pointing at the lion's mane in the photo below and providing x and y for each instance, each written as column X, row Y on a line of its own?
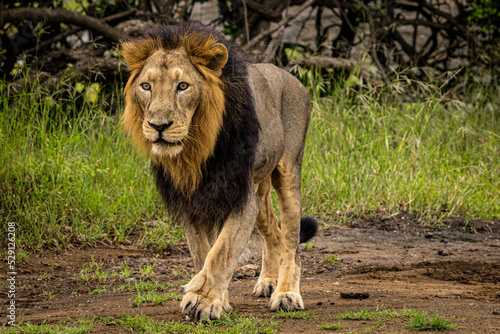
column 211, row 177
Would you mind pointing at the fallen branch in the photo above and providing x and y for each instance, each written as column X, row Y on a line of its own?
column 61, row 15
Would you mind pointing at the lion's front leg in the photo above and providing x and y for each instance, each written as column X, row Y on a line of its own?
column 206, row 296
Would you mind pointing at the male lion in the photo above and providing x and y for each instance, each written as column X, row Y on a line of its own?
column 220, row 132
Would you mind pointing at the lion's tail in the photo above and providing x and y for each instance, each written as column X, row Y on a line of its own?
column 308, row 228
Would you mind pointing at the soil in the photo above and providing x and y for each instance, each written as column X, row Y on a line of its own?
column 451, row 270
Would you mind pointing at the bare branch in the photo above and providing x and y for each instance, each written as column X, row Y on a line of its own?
column 61, row 15
column 264, row 10
column 269, row 31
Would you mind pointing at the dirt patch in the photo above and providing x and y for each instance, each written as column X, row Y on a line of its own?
column 354, row 295
column 394, row 263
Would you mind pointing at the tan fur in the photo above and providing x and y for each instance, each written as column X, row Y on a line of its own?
column 283, row 109
column 208, row 57
column 271, row 234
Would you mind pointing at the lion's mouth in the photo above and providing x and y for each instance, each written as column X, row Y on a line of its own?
column 162, row 141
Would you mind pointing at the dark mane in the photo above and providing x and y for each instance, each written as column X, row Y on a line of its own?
column 227, row 175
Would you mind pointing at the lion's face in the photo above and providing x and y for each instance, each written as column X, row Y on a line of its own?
column 168, row 90
column 174, row 102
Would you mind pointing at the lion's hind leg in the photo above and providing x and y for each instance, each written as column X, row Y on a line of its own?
column 286, row 182
column 271, row 237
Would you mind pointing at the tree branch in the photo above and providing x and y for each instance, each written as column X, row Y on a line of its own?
column 61, row 15
column 264, row 10
column 269, row 31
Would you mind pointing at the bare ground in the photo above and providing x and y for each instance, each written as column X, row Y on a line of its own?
column 452, row 270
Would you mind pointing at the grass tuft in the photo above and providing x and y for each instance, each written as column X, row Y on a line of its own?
column 421, row 321
column 330, row 327
column 293, row 315
column 364, row 314
column 152, row 297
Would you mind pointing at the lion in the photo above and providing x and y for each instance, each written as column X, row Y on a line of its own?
column 220, row 132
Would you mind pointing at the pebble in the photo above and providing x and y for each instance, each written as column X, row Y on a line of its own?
column 443, row 252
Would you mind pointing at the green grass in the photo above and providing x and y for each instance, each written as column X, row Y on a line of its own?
column 45, row 276
column 293, row 315
column 98, row 291
column 84, row 327
column 333, row 259
column 422, row 321
column 147, row 270
column 234, row 323
column 330, row 327
column 152, row 297
column 70, row 176
column 143, row 286
column 396, row 150
column 364, row 314
column 229, row 324
column 47, row 294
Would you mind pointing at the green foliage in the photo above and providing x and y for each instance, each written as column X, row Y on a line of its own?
column 364, row 314
column 403, row 146
column 484, row 13
column 294, row 315
column 421, row 321
column 70, row 174
column 82, row 327
column 308, row 247
column 152, row 297
column 331, row 327
column 98, row 291
column 333, row 259
column 142, row 286
column 229, row 324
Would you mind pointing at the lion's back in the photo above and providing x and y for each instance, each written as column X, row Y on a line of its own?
column 291, row 101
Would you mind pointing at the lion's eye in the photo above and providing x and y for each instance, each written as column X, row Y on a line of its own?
column 182, row 86
column 146, row 86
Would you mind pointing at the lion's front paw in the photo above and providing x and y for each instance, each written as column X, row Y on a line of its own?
column 265, row 287
column 286, row 301
column 197, row 307
column 203, row 300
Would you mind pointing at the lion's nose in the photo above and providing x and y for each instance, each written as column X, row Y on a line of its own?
column 160, row 127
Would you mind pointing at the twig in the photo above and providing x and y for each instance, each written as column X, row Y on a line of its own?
column 245, row 16
column 61, row 15
column 269, row 31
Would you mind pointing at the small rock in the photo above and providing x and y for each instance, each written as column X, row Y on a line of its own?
column 319, row 303
column 443, row 252
column 429, row 235
column 250, row 270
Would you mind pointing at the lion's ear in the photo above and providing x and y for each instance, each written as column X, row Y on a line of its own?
column 135, row 52
column 218, row 53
